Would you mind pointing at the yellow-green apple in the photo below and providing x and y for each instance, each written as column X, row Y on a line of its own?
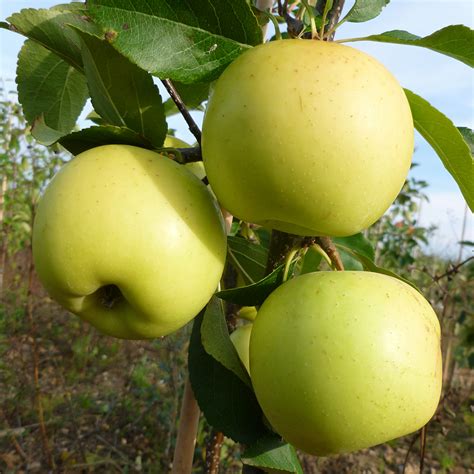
column 345, row 360
column 129, row 240
column 247, row 312
column 196, row 167
column 241, row 340
column 307, row 137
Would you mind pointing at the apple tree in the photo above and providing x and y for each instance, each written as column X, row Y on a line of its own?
column 305, row 143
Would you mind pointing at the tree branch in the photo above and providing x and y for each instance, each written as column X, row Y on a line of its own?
column 184, row 155
column 193, row 128
column 328, row 246
column 186, row 439
column 333, row 17
column 213, row 453
column 452, row 270
column 281, row 244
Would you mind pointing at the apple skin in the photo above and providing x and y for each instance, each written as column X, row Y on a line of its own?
column 128, row 217
column 196, row 167
column 175, row 142
column 341, row 361
column 241, row 340
column 307, row 137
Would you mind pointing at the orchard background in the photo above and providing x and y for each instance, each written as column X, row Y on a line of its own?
column 73, row 400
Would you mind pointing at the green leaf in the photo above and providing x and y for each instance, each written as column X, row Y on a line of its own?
column 96, row 118
column 311, row 261
column 447, row 141
column 271, row 452
column 365, row 10
column 51, row 92
column 122, row 93
column 358, row 243
column 49, row 28
column 44, row 134
column 193, row 95
column 87, row 138
column 185, row 42
column 350, row 262
column 455, row 41
column 369, row 266
column 468, row 136
column 248, row 258
column 217, row 343
column 256, row 293
column 227, row 403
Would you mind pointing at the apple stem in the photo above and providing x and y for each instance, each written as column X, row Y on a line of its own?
column 193, row 128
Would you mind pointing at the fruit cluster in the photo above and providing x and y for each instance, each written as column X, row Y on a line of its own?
column 306, row 137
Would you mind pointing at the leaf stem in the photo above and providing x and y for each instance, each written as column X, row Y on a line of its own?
column 275, row 23
column 323, row 254
column 327, row 7
column 328, row 246
column 309, row 9
column 288, row 261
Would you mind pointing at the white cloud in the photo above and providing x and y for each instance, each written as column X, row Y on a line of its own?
column 446, row 210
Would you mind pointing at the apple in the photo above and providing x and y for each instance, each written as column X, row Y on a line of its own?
column 129, row 240
column 241, row 340
column 175, row 142
column 196, row 167
column 307, row 137
column 247, row 312
column 341, row 361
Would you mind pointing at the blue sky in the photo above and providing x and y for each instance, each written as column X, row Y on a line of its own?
column 446, row 83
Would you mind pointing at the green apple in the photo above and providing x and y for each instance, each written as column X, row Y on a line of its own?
column 241, row 340
column 307, row 137
column 341, row 361
column 247, row 312
column 196, row 167
column 175, row 142
column 129, row 240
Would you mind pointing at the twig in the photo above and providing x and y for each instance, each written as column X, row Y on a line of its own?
column 213, row 453
column 328, row 246
column 12, row 432
column 193, row 128
column 422, row 447
column 333, row 18
column 410, row 447
column 452, row 270
column 184, row 155
column 39, row 404
column 281, row 244
column 186, row 439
